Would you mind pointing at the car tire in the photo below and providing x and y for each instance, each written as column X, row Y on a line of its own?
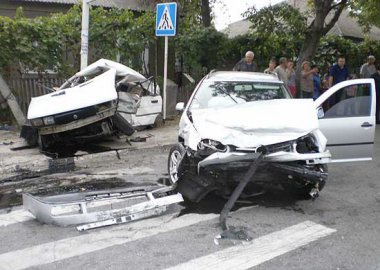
column 159, row 121
column 176, row 154
column 42, row 142
column 49, row 147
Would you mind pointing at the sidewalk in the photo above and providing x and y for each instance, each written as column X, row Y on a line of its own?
column 29, row 163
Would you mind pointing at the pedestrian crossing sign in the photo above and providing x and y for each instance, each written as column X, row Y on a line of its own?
column 166, row 19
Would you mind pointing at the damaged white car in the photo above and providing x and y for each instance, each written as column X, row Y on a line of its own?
column 103, row 99
column 233, row 116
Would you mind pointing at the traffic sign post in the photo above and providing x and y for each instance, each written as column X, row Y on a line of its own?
column 166, row 25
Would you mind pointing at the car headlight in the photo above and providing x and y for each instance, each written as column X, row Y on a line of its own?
column 307, row 144
column 37, row 122
column 211, row 144
column 48, row 120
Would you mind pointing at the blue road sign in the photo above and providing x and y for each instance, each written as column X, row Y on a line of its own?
column 166, row 19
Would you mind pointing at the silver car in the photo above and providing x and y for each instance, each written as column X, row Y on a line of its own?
column 233, row 116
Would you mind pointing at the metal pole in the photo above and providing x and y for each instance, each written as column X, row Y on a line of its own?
column 84, row 34
column 238, row 190
column 165, row 78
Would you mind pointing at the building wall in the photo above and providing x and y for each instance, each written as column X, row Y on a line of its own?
column 31, row 10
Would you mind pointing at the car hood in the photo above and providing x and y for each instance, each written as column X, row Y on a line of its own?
column 96, row 91
column 252, row 124
column 129, row 75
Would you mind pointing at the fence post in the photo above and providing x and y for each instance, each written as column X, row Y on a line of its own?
column 12, row 102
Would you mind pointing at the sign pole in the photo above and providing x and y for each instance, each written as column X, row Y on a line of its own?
column 84, row 34
column 166, row 23
column 165, row 76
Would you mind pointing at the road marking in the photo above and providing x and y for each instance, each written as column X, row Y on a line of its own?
column 261, row 249
column 15, row 216
column 98, row 240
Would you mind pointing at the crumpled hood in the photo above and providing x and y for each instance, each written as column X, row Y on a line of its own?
column 254, row 123
column 96, row 91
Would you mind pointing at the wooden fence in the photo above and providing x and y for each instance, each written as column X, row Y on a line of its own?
column 26, row 88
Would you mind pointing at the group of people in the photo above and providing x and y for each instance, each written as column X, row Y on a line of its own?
column 312, row 84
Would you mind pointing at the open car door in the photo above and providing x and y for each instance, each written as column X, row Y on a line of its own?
column 346, row 115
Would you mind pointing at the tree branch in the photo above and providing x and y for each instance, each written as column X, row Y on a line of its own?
column 343, row 2
column 340, row 6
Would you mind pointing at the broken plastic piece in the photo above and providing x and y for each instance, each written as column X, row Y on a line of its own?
column 98, row 206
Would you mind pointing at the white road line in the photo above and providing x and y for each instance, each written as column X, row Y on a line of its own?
column 15, row 216
column 97, row 240
column 259, row 250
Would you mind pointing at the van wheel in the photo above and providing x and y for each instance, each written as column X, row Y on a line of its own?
column 158, row 122
column 175, row 157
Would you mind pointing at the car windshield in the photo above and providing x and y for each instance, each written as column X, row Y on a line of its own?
column 213, row 94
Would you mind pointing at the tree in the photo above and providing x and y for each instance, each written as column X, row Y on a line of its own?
column 367, row 12
column 323, row 13
column 206, row 13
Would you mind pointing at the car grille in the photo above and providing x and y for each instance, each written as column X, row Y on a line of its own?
column 279, row 147
column 67, row 117
column 269, row 149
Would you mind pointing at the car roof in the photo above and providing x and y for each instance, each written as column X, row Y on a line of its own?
column 241, row 76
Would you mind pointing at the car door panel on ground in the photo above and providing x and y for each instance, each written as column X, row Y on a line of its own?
column 348, row 119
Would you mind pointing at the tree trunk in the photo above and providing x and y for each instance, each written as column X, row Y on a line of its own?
column 206, row 13
column 318, row 28
column 12, row 102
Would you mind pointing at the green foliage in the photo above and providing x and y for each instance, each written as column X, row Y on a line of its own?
column 202, row 48
column 367, row 12
column 276, row 31
column 55, row 41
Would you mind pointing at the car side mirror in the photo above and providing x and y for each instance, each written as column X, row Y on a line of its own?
column 180, row 106
column 320, row 113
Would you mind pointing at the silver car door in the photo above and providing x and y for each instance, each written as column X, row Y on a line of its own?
column 346, row 114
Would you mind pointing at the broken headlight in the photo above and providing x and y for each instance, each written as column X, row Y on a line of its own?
column 307, row 144
column 37, row 122
column 215, row 146
column 48, row 120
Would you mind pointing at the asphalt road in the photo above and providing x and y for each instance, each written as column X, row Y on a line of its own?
column 339, row 230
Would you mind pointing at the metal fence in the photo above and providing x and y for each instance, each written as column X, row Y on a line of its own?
column 26, row 88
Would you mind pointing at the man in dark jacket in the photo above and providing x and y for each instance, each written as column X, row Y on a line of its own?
column 376, row 77
column 246, row 64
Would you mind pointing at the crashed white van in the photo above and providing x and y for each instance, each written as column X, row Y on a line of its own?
column 233, row 116
column 103, row 99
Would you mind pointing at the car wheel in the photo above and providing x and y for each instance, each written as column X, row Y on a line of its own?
column 175, row 156
column 303, row 190
column 159, row 121
column 43, row 141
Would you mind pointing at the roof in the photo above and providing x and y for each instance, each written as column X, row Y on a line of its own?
column 242, row 76
column 346, row 25
column 124, row 4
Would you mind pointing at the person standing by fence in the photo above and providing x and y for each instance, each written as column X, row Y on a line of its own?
column 368, row 69
column 307, row 85
column 246, row 64
column 292, row 78
column 316, row 82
